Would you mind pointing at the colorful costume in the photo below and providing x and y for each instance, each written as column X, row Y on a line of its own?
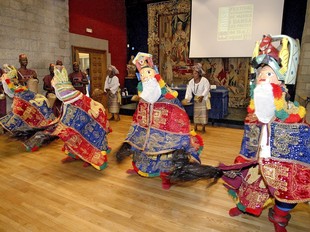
column 160, row 127
column 274, row 160
column 30, row 113
column 83, row 125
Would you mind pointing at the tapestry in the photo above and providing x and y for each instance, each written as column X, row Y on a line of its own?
column 169, row 41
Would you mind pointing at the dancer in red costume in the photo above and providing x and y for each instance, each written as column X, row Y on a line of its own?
column 31, row 118
column 160, row 135
column 274, row 161
column 83, row 125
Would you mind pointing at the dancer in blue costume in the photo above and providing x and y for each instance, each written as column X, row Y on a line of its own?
column 31, row 113
column 274, row 160
column 160, row 133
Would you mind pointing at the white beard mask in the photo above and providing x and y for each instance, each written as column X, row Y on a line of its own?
column 151, row 90
column 264, row 102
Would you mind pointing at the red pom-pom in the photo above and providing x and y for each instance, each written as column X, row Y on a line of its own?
column 293, row 118
column 158, row 77
column 169, row 96
column 18, row 90
column 35, row 148
column 239, row 160
column 8, row 81
column 200, row 140
column 250, row 111
column 277, row 91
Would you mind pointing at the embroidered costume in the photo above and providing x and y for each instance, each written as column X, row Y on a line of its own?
column 160, row 131
column 31, row 112
column 274, row 160
column 159, row 138
column 83, row 125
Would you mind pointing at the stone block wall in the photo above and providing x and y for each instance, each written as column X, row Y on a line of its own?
column 38, row 28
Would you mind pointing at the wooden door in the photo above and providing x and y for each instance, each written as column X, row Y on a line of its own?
column 98, row 73
column 97, row 68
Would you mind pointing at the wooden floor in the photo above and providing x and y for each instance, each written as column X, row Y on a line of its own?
column 39, row 193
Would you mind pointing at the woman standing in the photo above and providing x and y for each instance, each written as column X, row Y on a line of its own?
column 111, row 88
column 199, row 86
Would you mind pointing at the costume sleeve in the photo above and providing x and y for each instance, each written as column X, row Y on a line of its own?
column 206, row 86
column 115, row 85
column 106, row 85
column 189, row 92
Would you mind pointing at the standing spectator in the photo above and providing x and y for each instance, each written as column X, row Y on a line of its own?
column 111, row 88
column 88, row 86
column 25, row 74
column 199, row 86
column 78, row 78
column 50, row 91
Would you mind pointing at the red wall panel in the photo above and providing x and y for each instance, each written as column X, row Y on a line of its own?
column 107, row 19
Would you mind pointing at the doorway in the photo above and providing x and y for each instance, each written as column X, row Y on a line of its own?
column 94, row 63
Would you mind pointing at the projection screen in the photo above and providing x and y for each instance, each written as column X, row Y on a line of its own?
column 230, row 28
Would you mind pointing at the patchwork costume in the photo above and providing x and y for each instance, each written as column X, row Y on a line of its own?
column 31, row 112
column 160, row 126
column 274, row 160
column 83, row 125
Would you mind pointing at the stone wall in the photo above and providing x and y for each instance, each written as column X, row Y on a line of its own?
column 38, row 28
column 303, row 76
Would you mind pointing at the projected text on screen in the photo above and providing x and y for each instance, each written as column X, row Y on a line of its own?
column 235, row 22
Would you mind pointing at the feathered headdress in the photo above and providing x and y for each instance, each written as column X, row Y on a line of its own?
column 10, row 81
column 63, row 87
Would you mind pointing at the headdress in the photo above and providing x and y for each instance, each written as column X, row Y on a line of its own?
column 113, row 69
column 271, row 62
column 63, row 87
column 143, row 60
column 23, row 55
column 287, row 55
column 198, row 68
column 286, row 70
column 10, row 81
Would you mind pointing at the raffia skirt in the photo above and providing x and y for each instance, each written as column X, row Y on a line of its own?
column 200, row 112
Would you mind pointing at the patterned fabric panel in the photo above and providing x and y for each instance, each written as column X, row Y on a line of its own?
column 78, row 145
column 152, row 141
column 13, row 122
column 162, row 115
column 250, row 141
column 288, row 181
column 88, row 128
column 290, row 141
column 153, row 164
column 38, row 101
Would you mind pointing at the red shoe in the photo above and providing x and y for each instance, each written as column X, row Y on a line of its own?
column 131, row 171
column 235, row 212
column 85, row 164
column 279, row 218
column 68, row 159
column 165, row 182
